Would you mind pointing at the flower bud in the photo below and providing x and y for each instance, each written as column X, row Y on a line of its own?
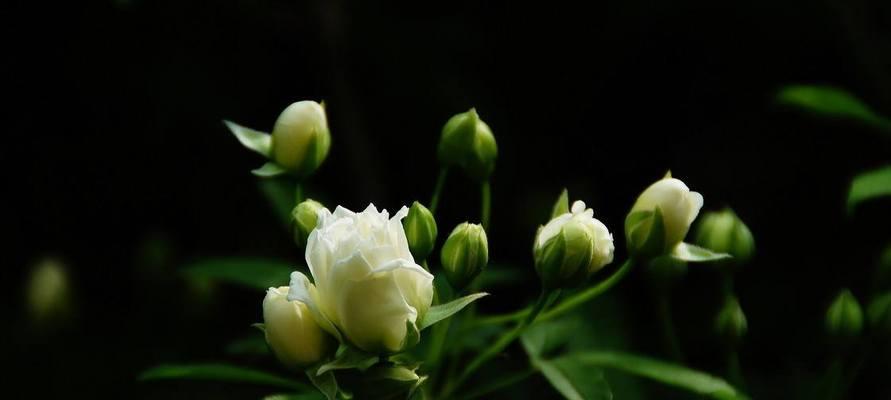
column 49, row 292
column 468, row 142
column 730, row 323
column 464, row 254
column 879, row 313
column 571, row 247
column 661, row 217
column 724, row 232
column 306, row 216
column 291, row 331
column 844, row 319
column 420, row 231
column 300, row 138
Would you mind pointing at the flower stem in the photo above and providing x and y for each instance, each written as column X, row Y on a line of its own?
column 298, row 194
column 500, row 344
column 486, row 204
column 437, row 190
column 668, row 331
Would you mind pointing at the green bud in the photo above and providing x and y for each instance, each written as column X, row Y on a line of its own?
column 467, row 142
column 300, row 138
column 879, row 313
column 464, row 254
column 723, row 232
column 730, row 323
column 571, row 247
column 844, row 319
column 420, row 230
column 306, row 216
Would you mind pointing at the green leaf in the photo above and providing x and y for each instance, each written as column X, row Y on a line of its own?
column 440, row 312
column 295, row 396
column 248, row 272
column 501, row 275
column 562, row 205
column 667, row 373
column 693, row 253
column 324, row 381
column 574, row 380
column 348, row 357
column 259, row 142
column 830, row 102
column 269, row 170
column 219, row 372
column 869, row 185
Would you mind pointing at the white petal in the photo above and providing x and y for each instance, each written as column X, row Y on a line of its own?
column 304, row 291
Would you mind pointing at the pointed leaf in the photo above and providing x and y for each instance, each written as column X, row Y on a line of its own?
column 667, row 373
column 260, row 142
column 869, row 185
column 269, row 170
column 830, row 102
column 248, row 272
column 325, row 382
column 348, row 357
column 574, row 380
column 219, row 372
column 440, row 312
column 692, row 253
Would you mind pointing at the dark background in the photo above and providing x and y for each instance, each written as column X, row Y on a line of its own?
column 116, row 161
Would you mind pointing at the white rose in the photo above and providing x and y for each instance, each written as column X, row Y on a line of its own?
column 678, row 206
column 291, row 330
column 571, row 247
column 368, row 289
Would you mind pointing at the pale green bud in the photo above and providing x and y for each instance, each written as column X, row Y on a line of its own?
column 661, row 217
column 49, row 292
column 879, row 313
column 464, row 254
column 306, row 216
column 571, row 247
column 467, row 142
column 844, row 319
column 300, row 138
column 730, row 323
column 420, row 231
column 723, row 232
column 291, row 331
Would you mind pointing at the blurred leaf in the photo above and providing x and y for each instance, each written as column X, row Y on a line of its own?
column 324, row 381
column 248, row 272
column 249, row 346
column 501, row 275
column 220, row 372
column 667, row 373
column 260, row 142
column 442, row 311
column 269, row 170
column 574, row 380
column 831, row 102
column 296, row 396
column 869, row 185
column 693, row 253
column 348, row 357
column 545, row 339
column 280, row 195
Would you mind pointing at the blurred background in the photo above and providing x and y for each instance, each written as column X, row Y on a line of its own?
column 119, row 170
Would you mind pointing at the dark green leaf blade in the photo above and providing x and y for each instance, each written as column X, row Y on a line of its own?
column 440, row 312
column 574, row 380
column 221, row 373
column 831, row 102
column 247, row 272
column 869, row 185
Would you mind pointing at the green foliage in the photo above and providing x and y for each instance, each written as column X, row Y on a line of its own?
column 247, row 272
column 348, row 357
column 442, row 311
column 693, row 253
column 561, row 206
column 869, row 185
column 830, row 102
column 221, row 373
column 269, row 170
column 574, row 380
column 259, row 142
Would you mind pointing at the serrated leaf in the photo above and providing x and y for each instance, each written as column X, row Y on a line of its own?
column 248, row 272
column 325, row 382
column 573, row 380
column 219, row 372
column 869, row 185
column 254, row 140
column 269, row 170
column 440, row 312
column 830, row 102
column 348, row 357
column 693, row 253
column 562, row 205
column 661, row 371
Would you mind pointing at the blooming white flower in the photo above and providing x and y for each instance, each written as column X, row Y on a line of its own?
column 368, row 289
column 676, row 203
column 571, row 247
column 291, row 331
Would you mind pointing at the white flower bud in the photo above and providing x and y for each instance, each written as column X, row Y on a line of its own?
column 291, row 331
column 675, row 206
column 300, row 138
column 571, row 247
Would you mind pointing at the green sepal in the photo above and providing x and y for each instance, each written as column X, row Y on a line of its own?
column 256, row 141
column 693, row 253
column 562, row 205
column 636, row 224
column 348, row 357
column 269, row 170
column 442, row 311
column 325, row 381
column 259, row 325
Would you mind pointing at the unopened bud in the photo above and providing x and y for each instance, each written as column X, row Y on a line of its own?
column 571, row 247
column 724, row 232
column 420, row 231
column 464, row 254
column 467, row 142
column 730, row 323
column 300, row 138
column 306, row 216
column 844, row 319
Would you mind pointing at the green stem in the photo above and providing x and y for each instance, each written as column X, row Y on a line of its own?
column 668, row 330
column 486, row 204
column 437, row 190
column 734, row 370
column 440, row 333
column 500, row 344
column 298, row 194
column 500, row 383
